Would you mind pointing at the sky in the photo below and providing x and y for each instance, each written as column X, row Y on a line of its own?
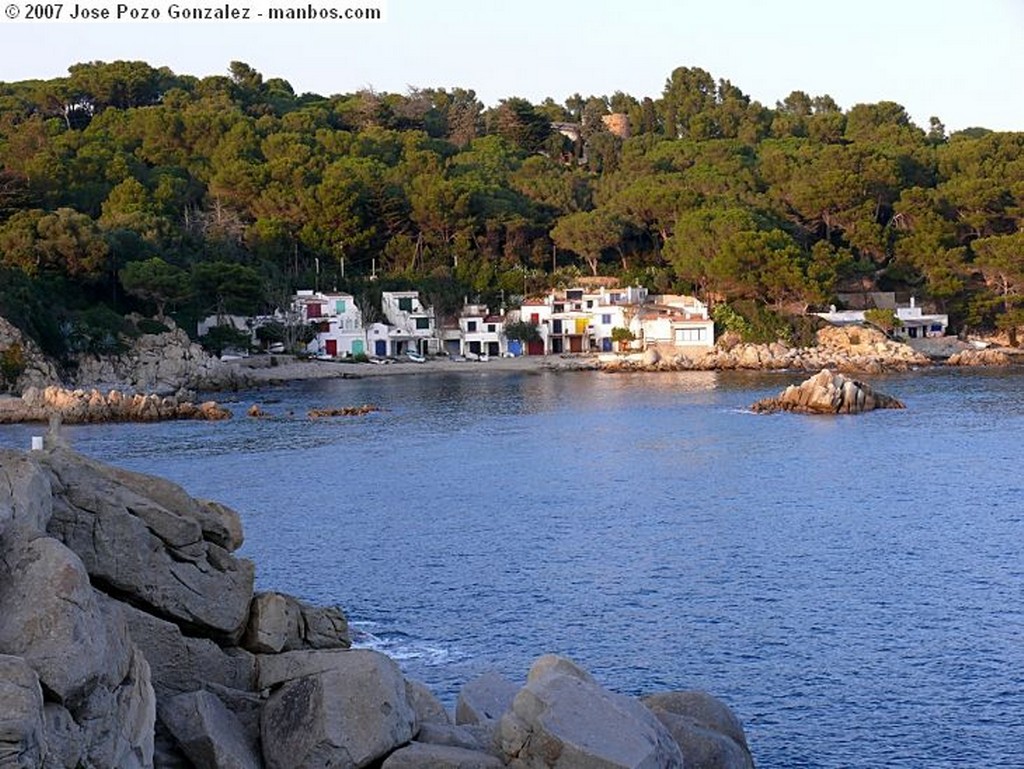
column 960, row 61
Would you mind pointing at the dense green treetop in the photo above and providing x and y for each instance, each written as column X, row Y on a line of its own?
column 135, row 187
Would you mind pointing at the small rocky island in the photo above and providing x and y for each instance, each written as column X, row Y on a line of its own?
column 130, row 637
column 827, row 393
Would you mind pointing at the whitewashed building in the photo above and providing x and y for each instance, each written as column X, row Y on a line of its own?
column 911, row 320
column 673, row 321
column 413, row 324
column 481, row 333
column 339, row 323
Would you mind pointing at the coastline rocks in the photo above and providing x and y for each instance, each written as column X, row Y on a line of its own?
column 847, row 349
column 123, row 625
column 707, row 732
column 973, row 357
column 139, row 548
column 563, row 718
column 157, row 363
column 37, row 369
column 345, row 411
column 92, row 406
column 827, row 393
column 346, row 716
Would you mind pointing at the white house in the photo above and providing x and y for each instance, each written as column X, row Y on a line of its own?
column 912, row 322
column 580, row 319
column 338, row 320
column 680, row 322
column 413, row 324
column 481, row 332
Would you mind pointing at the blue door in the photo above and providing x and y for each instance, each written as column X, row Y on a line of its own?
column 606, row 344
column 380, row 348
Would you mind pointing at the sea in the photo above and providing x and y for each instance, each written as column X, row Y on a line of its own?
column 852, row 587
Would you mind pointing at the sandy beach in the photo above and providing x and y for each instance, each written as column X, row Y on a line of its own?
column 261, row 370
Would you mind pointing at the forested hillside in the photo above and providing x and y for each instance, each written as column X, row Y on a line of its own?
column 124, row 187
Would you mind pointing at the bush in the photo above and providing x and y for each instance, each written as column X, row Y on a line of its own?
column 221, row 338
column 150, row 326
column 12, row 365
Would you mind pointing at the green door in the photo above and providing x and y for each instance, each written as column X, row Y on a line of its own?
column 357, row 347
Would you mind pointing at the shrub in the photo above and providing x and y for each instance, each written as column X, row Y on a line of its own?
column 12, row 365
column 151, row 326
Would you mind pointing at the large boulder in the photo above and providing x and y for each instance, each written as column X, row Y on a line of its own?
column 158, row 558
column 51, row 618
column 563, row 718
column 208, row 733
column 706, row 730
column 182, row 663
column 427, row 707
column 25, row 493
column 485, row 698
column 22, row 729
column 827, row 393
column 78, row 645
column 346, row 716
column 280, row 622
column 418, row 755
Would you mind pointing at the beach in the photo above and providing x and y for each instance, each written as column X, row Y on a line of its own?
column 274, row 369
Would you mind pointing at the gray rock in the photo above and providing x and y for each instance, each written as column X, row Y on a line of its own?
column 344, row 717
column 51, row 618
column 418, row 755
column 324, row 627
column 428, row 708
column 22, row 729
column 208, row 733
column 477, row 737
column 706, row 730
column 118, row 724
column 221, row 525
column 485, row 698
column 275, row 624
column 25, row 494
column 183, row 664
column 562, row 718
column 64, row 737
column 276, row 669
column 827, row 393
column 158, row 557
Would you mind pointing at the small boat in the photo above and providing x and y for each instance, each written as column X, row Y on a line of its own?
column 415, row 357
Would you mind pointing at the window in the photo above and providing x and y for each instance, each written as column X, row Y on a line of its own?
column 339, row 306
column 556, row 327
column 405, row 303
column 575, row 294
column 490, row 328
column 559, row 308
column 606, row 319
column 690, row 335
column 590, row 304
column 422, row 323
column 470, row 325
column 535, row 318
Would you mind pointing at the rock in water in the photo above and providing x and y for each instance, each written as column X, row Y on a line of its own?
column 827, row 393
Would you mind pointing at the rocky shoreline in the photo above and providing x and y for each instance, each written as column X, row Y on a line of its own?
column 130, row 637
column 157, row 377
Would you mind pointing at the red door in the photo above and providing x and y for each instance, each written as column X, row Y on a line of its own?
column 535, row 347
column 332, row 347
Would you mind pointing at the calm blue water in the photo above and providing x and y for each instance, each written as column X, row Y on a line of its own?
column 852, row 587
